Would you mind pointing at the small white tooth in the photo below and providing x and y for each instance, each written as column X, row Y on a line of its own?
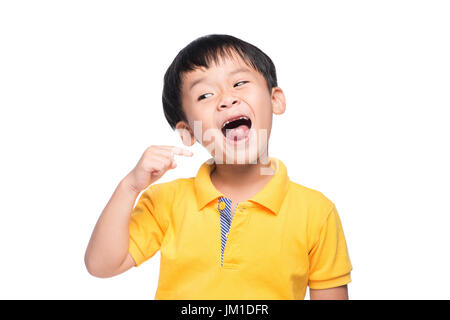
column 226, row 122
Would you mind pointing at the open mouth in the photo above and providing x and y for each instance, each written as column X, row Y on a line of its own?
column 237, row 128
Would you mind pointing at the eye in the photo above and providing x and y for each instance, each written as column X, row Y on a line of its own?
column 241, row 82
column 201, row 97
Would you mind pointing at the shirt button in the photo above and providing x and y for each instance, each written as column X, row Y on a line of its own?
column 222, row 205
column 226, row 234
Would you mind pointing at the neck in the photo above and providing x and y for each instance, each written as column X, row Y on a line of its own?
column 241, row 179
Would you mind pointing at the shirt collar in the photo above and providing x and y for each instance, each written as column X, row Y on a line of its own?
column 270, row 196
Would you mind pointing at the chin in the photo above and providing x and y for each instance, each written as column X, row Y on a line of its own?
column 245, row 156
column 245, row 151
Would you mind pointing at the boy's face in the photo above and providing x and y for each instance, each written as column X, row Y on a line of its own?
column 229, row 111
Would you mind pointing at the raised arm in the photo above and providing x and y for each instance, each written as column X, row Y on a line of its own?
column 107, row 252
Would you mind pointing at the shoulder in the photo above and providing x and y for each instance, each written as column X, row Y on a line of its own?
column 160, row 198
column 170, row 190
column 312, row 203
column 309, row 196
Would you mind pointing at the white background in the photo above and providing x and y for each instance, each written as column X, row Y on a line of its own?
column 367, row 124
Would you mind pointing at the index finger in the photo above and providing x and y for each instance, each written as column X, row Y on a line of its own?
column 182, row 152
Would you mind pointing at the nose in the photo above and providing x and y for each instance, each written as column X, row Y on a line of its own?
column 227, row 102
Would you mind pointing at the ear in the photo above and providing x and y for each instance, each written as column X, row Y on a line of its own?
column 185, row 132
column 278, row 101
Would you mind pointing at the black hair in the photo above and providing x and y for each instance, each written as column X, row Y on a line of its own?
column 200, row 53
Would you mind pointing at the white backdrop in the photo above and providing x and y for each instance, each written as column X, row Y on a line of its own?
column 367, row 123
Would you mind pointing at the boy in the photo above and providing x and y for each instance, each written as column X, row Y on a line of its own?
column 239, row 229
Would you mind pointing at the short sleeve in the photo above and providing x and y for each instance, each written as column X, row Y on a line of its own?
column 329, row 260
column 146, row 227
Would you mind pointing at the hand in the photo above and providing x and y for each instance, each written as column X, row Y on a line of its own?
column 155, row 161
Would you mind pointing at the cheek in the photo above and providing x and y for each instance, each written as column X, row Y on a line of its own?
column 202, row 123
column 264, row 113
column 264, row 119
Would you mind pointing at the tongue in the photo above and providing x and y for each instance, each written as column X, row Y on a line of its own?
column 237, row 133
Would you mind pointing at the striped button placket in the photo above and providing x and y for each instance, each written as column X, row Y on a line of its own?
column 224, row 207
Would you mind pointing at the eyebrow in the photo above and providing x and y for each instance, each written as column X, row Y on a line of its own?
column 240, row 70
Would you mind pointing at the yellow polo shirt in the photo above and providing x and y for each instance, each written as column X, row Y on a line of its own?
column 280, row 241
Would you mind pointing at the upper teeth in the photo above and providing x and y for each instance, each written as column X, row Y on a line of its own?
column 228, row 121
